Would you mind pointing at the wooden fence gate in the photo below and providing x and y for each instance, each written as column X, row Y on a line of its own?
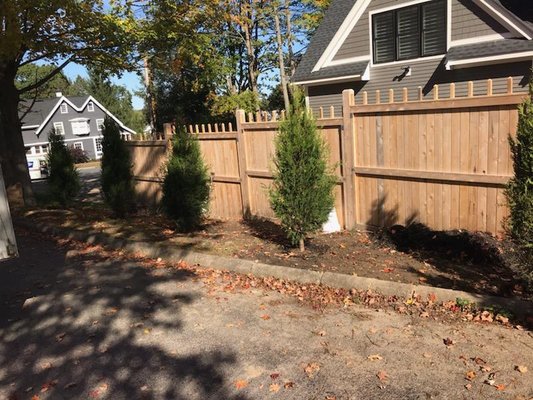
column 441, row 162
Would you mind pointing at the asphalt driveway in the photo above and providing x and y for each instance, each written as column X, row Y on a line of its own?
column 82, row 325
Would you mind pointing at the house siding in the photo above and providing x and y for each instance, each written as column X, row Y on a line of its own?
column 426, row 74
column 88, row 141
column 468, row 21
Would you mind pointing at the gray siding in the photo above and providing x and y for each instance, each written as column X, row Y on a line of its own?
column 88, row 141
column 425, row 74
column 468, row 21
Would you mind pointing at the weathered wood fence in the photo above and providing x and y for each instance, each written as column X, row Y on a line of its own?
column 442, row 162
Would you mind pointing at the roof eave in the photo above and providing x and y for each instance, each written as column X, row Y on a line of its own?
column 489, row 60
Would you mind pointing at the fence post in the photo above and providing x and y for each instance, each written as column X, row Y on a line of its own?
column 168, row 131
column 348, row 157
column 240, row 118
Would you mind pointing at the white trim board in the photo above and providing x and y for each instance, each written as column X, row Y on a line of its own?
column 80, row 109
column 480, row 39
column 498, row 16
column 474, row 62
column 342, row 33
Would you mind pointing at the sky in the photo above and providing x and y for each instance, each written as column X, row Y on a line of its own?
column 130, row 80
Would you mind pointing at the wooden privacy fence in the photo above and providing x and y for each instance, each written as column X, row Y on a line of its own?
column 442, row 162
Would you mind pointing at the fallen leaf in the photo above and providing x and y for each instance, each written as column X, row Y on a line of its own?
column 60, row 336
column 424, row 314
column 521, row 368
column 274, row 387
column 426, row 355
column 500, row 387
column 70, row 385
column 502, row 319
column 265, row 317
column 274, row 376
column 321, row 333
column 241, row 384
column 448, row 342
column 470, row 375
column 288, row 385
column 468, row 386
column 48, row 385
column 311, row 368
column 382, row 376
column 387, row 270
column 35, row 397
column 375, row 357
column 479, row 361
column 432, row 298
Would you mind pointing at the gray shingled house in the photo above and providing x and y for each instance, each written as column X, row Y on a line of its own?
column 79, row 119
column 370, row 45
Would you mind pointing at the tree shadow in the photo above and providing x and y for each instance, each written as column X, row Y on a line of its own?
column 71, row 322
column 462, row 260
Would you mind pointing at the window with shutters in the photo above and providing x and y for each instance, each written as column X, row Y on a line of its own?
column 410, row 32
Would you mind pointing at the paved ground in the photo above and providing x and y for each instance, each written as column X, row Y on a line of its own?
column 97, row 328
column 90, row 184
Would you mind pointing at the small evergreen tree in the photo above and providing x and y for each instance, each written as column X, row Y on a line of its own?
column 302, row 192
column 117, row 178
column 63, row 179
column 186, row 186
column 519, row 192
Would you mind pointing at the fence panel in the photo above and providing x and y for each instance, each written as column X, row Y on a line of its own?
column 444, row 162
column 441, row 162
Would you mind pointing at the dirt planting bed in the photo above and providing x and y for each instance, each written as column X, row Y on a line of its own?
column 459, row 260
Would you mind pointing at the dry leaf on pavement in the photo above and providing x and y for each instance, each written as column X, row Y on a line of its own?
column 241, row 384
column 274, row 387
column 470, row 375
column 375, row 357
column 521, row 368
column 311, row 368
column 382, row 376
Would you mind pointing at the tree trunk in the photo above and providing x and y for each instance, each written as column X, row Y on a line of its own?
column 12, row 151
column 290, row 52
column 282, row 75
column 302, row 245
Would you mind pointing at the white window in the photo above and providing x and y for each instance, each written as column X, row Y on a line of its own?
column 98, row 145
column 44, row 149
column 80, row 126
column 59, row 128
column 90, row 106
column 64, row 108
column 100, row 124
column 37, row 149
column 78, row 145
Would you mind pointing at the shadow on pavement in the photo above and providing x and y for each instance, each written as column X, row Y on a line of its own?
column 78, row 325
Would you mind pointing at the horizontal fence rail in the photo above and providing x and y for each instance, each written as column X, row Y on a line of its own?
column 443, row 162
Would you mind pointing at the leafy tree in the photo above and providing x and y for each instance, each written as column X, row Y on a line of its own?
column 186, row 185
column 57, row 32
column 63, row 179
column 29, row 74
column 520, row 189
column 302, row 191
column 224, row 106
column 117, row 178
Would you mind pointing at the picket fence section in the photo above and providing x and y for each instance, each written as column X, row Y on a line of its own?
column 442, row 162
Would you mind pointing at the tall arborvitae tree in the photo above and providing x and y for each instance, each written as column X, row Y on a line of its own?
column 520, row 189
column 117, row 178
column 302, row 192
column 63, row 181
column 186, row 186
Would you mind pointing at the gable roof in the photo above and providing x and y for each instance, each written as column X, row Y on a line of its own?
column 333, row 19
column 342, row 16
column 43, row 110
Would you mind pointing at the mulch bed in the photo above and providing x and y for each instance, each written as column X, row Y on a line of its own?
column 459, row 260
